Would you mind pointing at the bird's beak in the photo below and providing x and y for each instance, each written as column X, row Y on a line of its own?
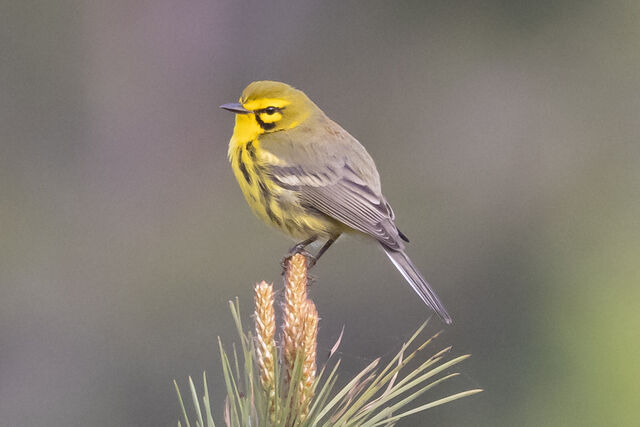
column 235, row 107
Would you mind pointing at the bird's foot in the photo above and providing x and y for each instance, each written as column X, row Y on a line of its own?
column 311, row 260
column 298, row 248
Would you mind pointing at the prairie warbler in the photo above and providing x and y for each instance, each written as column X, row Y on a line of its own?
column 305, row 175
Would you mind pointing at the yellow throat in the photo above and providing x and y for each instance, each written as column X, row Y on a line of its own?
column 265, row 107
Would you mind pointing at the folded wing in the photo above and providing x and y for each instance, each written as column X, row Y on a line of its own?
column 339, row 179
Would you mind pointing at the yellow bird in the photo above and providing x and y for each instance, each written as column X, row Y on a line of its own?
column 308, row 177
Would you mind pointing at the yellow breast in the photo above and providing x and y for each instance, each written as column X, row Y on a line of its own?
column 276, row 206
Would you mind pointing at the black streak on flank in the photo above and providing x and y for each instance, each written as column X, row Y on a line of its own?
column 244, row 170
column 263, row 125
column 251, row 150
column 264, row 191
column 271, row 215
column 266, row 199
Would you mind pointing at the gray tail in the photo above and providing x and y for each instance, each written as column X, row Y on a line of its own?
column 417, row 282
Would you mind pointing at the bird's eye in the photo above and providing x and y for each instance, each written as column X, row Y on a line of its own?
column 270, row 110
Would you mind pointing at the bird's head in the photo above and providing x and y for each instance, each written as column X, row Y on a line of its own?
column 268, row 106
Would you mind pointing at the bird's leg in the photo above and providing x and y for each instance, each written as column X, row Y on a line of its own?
column 298, row 248
column 314, row 259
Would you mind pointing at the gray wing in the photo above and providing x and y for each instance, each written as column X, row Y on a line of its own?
column 338, row 178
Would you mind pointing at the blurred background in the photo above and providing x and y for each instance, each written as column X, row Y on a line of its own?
column 507, row 137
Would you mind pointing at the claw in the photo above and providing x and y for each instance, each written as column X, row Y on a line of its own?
column 297, row 249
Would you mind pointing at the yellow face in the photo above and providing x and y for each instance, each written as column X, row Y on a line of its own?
column 267, row 112
column 267, row 106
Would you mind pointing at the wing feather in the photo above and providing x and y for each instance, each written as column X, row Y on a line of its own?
column 338, row 178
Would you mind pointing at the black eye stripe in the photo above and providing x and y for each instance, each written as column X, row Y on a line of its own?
column 263, row 125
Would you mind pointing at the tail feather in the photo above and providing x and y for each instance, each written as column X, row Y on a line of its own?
column 417, row 282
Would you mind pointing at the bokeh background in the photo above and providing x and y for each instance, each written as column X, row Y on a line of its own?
column 507, row 135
